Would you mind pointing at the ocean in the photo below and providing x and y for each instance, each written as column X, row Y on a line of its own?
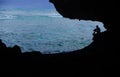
column 45, row 31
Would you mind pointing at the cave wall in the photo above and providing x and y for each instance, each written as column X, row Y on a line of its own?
column 99, row 10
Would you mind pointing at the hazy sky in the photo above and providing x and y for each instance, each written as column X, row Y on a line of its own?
column 35, row 4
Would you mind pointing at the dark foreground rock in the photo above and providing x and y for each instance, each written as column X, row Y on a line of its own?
column 98, row 58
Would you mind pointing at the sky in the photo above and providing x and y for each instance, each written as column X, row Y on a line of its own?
column 26, row 4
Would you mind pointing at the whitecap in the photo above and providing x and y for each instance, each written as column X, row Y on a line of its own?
column 55, row 16
column 3, row 17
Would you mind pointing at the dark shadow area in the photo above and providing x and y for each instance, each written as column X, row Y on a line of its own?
column 100, row 58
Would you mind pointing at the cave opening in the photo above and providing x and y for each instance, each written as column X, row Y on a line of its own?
column 39, row 27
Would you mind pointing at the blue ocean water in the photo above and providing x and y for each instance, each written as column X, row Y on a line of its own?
column 45, row 31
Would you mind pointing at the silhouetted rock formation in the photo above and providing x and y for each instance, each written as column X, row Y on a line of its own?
column 105, row 47
column 2, row 45
column 94, row 60
column 98, row 10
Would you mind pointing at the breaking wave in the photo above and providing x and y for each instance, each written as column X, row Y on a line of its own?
column 17, row 14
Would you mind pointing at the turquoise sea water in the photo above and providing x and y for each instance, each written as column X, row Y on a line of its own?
column 44, row 31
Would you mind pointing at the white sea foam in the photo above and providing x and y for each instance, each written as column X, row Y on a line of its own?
column 44, row 31
column 14, row 13
column 7, row 16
